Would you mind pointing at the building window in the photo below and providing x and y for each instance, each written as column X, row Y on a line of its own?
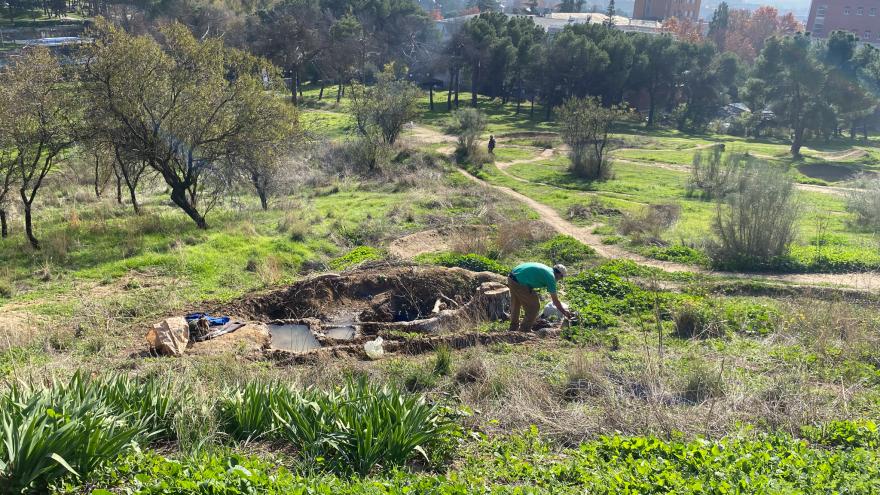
column 860, row 11
column 872, row 12
column 846, row 11
column 867, row 35
column 820, row 11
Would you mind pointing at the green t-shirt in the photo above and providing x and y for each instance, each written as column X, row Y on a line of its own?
column 535, row 276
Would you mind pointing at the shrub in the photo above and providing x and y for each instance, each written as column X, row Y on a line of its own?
column 756, row 221
column 864, row 204
column 472, row 262
column 468, row 124
column 355, row 257
column 647, row 225
column 566, row 249
column 713, row 172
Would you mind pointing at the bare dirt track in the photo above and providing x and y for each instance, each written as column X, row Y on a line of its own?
column 867, row 281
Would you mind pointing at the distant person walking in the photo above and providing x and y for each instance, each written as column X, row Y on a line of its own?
column 523, row 282
column 491, row 145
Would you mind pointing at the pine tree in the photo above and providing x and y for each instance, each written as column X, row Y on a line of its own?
column 610, row 12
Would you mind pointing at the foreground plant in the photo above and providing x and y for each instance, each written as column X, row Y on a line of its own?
column 76, row 427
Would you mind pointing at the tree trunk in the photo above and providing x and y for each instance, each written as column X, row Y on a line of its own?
column 118, row 189
column 294, row 82
column 431, row 97
column 797, row 141
column 321, row 93
column 651, row 106
column 29, row 223
column 4, row 227
column 178, row 196
column 339, row 92
column 264, row 199
column 97, row 177
column 532, row 107
column 475, row 78
column 457, row 85
column 132, row 193
column 449, row 96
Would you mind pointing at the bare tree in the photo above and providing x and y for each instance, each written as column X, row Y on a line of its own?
column 178, row 106
column 585, row 126
column 36, row 124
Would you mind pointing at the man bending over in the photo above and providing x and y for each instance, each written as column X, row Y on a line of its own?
column 524, row 281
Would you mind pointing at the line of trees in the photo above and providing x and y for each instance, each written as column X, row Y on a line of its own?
column 197, row 114
column 813, row 88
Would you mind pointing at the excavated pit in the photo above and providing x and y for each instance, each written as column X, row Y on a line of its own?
column 335, row 314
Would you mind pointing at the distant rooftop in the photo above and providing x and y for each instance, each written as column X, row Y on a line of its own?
column 556, row 22
column 59, row 41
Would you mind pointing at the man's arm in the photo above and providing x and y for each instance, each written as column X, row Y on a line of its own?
column 559, row 306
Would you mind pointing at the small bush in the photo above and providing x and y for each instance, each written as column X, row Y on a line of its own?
column 756, row 222
column 418, row 379
column 472, row 262
column 355, row 257
column 468, row 124
column 647, row 225
column 864, row 204
column 566, row 249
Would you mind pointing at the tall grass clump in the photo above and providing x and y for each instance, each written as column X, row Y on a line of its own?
column 354, row 429
column 756, row 222
column 73, row 428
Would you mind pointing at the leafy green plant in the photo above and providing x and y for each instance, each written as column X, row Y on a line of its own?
column 72, row 428
column 353, row 429
column 846, row 434
column 355, row 257
column 566, row 249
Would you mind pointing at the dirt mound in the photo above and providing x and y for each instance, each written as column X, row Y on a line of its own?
column 393, row 294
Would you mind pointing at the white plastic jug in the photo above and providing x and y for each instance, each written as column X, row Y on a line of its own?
column 374, row 348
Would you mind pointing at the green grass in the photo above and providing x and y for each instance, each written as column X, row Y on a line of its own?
column 634, row 186
column 761, row 464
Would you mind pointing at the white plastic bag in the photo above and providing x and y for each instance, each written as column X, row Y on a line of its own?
column 551, row 313
column 374, row 349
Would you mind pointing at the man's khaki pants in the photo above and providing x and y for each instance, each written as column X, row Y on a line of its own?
column 522, row 297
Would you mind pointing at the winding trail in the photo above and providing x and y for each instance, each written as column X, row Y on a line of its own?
column 866, row 281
